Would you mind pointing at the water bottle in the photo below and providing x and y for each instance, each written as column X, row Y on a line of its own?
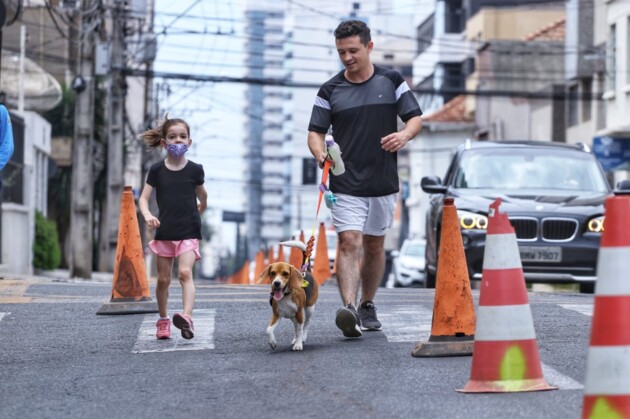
column 334, row 152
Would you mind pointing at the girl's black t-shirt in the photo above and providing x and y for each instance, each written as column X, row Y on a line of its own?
column 177, row 200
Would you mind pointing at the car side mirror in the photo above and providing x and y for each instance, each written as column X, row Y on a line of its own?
column 623, row 187
column 432, row 184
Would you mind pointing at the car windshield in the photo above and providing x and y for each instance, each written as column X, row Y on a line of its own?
column 414, row 249
column 529, row 168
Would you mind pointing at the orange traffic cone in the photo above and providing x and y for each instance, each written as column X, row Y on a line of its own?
column 453, row 326
column 270, row 256
column 130, row 286
column 259, row 264
column 505, row 354
column 321, row 268
column 607, row 386
column 280, row 254
column 244, row 278
column 296, row 257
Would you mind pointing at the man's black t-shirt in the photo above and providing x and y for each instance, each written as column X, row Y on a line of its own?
column 360, row 115
column 177, row 201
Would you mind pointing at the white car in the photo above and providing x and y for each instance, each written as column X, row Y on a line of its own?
column 408, row 263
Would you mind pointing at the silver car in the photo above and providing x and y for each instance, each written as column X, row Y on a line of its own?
column 408, row 263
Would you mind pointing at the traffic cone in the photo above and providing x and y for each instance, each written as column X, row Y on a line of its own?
column 130, row 287
column 453, row 325
column 321, row 268
column 505, row 353
column 244, row 274
column 259, row 263
column 280, row 257
column 296, row 257
column 270, row 256
column 607, row 386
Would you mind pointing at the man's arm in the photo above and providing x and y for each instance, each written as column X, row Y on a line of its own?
column 397, row 140
column 316, row 145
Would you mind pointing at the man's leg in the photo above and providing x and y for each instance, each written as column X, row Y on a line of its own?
column 348, row 266
column 372, row 266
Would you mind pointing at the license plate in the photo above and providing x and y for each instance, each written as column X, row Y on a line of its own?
column 540, row 253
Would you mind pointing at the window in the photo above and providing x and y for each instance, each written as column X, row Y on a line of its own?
column 587, row 101
column 573, row 105
column 309, row 171
column 611, row 68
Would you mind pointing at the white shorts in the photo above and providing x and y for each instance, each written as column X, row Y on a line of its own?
column 370, row 215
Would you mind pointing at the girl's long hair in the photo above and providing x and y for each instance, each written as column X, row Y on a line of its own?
column 152, row 136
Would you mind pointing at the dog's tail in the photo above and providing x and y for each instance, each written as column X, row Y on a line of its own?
column 298, row 244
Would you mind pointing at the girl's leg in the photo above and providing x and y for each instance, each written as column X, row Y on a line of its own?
column 165, row 269
column 186, row 261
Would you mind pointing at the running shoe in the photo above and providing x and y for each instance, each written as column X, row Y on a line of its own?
column 367, row 314
column 184, row 323
column 163, row 329
column 349, row 322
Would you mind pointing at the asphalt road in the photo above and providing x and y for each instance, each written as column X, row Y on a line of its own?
column 58, row 359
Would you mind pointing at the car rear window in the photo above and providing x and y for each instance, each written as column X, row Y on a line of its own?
column 529, row 168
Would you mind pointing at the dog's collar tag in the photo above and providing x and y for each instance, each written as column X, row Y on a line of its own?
column 304, row 283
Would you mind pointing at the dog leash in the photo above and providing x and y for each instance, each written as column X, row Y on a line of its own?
column 311, row 241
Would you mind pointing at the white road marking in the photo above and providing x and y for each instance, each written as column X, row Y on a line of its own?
column 3, row 314
column 560, row 380
column 406, row 324
column 586, row 309
column 203, row 340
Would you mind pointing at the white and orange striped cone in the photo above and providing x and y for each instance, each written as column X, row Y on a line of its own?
column 505, row 352
column 607, row 386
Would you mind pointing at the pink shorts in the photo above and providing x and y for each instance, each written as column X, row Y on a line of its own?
column 174, row 248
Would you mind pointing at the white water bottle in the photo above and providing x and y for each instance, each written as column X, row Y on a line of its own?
column 334, row 152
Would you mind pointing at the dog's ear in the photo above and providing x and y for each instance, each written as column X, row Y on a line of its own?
column 296, row 278
column 264, row 275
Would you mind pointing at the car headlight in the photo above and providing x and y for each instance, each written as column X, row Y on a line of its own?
column 596, row 225
column 471, row 221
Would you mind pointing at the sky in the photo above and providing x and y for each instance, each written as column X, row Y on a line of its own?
column 206, row 37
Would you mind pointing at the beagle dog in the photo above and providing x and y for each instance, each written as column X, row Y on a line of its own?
column 292, row 297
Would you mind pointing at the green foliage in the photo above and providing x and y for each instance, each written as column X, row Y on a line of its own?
column 46, row 249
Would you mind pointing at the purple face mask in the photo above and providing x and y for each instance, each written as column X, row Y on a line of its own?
column 176, row 150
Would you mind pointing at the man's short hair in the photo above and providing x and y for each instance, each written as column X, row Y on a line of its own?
column 350, row 28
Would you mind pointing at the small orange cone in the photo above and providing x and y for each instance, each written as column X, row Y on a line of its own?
column 259, row 263
column 270, row 256
column 244, row 273
column 296, row 257
column 607, row 385
column 321, row 268
column 130, row 286
column 453, row 326
column 505, row 354
column 280, row 254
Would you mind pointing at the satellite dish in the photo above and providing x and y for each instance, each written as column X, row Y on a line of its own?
column 42, row 91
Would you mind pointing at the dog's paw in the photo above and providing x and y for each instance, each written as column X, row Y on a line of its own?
column 273, row 344
column 298, row 347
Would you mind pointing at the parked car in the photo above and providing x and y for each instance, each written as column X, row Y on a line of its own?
column 553, row 194
column 408, row 263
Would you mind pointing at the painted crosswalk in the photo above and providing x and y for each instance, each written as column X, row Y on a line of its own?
column 406, row 323
column 203, row 340
column 2, row 315
column 586, row 309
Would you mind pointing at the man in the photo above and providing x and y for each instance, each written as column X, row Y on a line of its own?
column 6, row 139
column 362, row 104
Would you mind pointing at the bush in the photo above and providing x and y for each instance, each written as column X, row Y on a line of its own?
column 46, row 249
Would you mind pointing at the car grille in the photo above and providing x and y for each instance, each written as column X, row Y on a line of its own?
column 553, row 229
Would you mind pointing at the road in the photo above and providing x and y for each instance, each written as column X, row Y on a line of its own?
column 58, row 359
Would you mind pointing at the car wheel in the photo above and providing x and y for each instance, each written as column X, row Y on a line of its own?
column 587, row 287
column 429, row 280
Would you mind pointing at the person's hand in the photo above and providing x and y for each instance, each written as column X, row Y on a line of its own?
column 321, row 158
column 151, row 221
column 394, row 141
column 201, row 207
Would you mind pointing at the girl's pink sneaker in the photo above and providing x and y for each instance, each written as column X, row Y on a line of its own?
column 163, row 329
column 185, row 324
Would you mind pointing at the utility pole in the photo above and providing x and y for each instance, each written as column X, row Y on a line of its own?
column 81, row 223
column 115, row 140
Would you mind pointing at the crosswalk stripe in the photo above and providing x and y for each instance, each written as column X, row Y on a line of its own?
column 203, row 340
column 3, row 314
column 586, row 309
column 560, row 380
column 406, row 324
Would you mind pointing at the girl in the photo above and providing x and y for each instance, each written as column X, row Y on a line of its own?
column 178, row 183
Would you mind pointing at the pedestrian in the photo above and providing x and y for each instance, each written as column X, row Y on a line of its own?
column 181, row 198
column 362, row 104
column 6, row 139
